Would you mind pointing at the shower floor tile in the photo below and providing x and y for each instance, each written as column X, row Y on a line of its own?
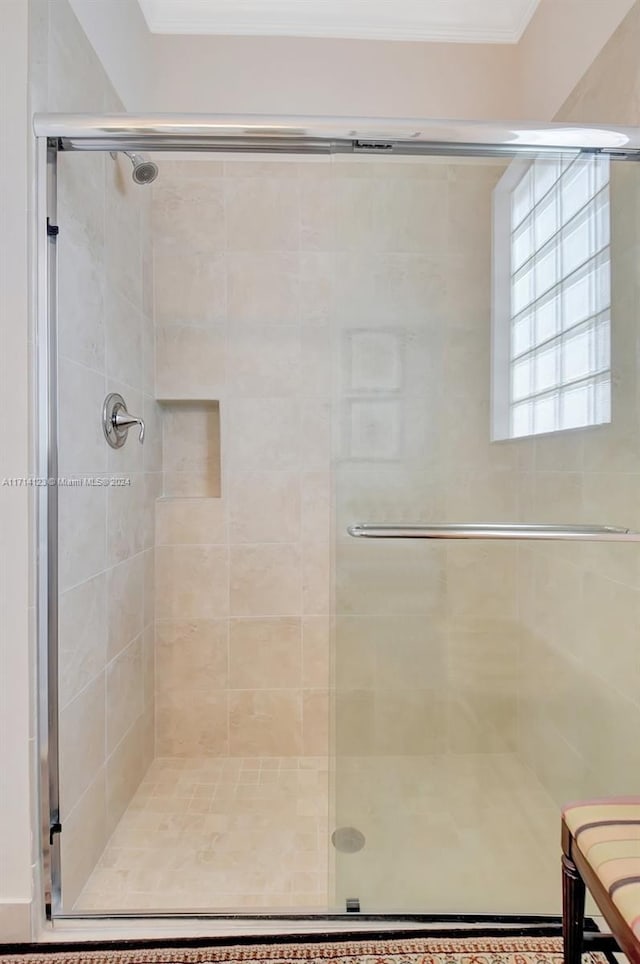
column 446, row 833
column 213, row 834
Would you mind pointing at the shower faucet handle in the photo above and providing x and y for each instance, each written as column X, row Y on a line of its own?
column 124, row 420
column 116, row 421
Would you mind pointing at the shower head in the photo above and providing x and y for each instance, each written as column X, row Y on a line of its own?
column 144, row 170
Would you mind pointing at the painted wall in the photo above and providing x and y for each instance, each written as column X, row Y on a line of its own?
column 611, row 86
column 16, row 652
column 119, row 35
column 343, row 77
column 561, row 41
column 317, row 76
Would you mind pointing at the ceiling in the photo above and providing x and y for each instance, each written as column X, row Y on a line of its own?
column 455, row 21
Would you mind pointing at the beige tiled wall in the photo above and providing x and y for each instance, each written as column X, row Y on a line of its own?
column 423, row 658
column 327, row 293
column 580, row 672
column 243, row 528
column 106, row 533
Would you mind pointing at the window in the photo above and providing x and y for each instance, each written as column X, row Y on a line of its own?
column 552, row 296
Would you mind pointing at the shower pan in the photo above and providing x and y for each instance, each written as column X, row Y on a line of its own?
column 343, row 634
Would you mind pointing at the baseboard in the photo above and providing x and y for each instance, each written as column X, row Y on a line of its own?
column 15, row 921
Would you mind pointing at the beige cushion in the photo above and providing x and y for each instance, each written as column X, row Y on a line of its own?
column 607, row 833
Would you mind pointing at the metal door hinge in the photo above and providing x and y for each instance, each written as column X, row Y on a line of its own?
column 53, row 830
column 52, row 229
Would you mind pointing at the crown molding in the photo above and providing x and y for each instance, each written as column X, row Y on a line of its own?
column 526, row 16
column 188, row 17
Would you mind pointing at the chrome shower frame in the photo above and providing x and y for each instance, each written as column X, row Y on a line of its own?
column 46, row 522
column 229, row 134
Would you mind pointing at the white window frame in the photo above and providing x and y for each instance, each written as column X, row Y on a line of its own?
column 597, row 323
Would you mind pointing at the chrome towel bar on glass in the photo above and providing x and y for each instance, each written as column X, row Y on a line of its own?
column 491, row 530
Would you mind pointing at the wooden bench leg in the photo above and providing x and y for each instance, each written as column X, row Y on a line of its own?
column 573, row 897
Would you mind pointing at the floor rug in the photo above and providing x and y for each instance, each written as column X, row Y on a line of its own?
column 414, row 950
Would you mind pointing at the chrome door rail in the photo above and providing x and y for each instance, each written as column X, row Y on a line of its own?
column 496, row 531
column 332, row 135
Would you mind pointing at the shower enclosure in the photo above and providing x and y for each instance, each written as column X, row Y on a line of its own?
column 339, row 582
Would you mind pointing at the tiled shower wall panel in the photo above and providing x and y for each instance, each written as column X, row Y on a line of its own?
column 580, row 674
column 242, row 313
column 426, row 634
column 106, row 532
column 339, row 312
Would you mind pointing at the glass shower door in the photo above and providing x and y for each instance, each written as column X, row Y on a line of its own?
column 485, row 344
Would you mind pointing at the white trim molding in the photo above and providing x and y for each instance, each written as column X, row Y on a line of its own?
column 15, row 921
column 440, row 21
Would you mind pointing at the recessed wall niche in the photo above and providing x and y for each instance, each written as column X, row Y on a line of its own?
column 191, row 449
